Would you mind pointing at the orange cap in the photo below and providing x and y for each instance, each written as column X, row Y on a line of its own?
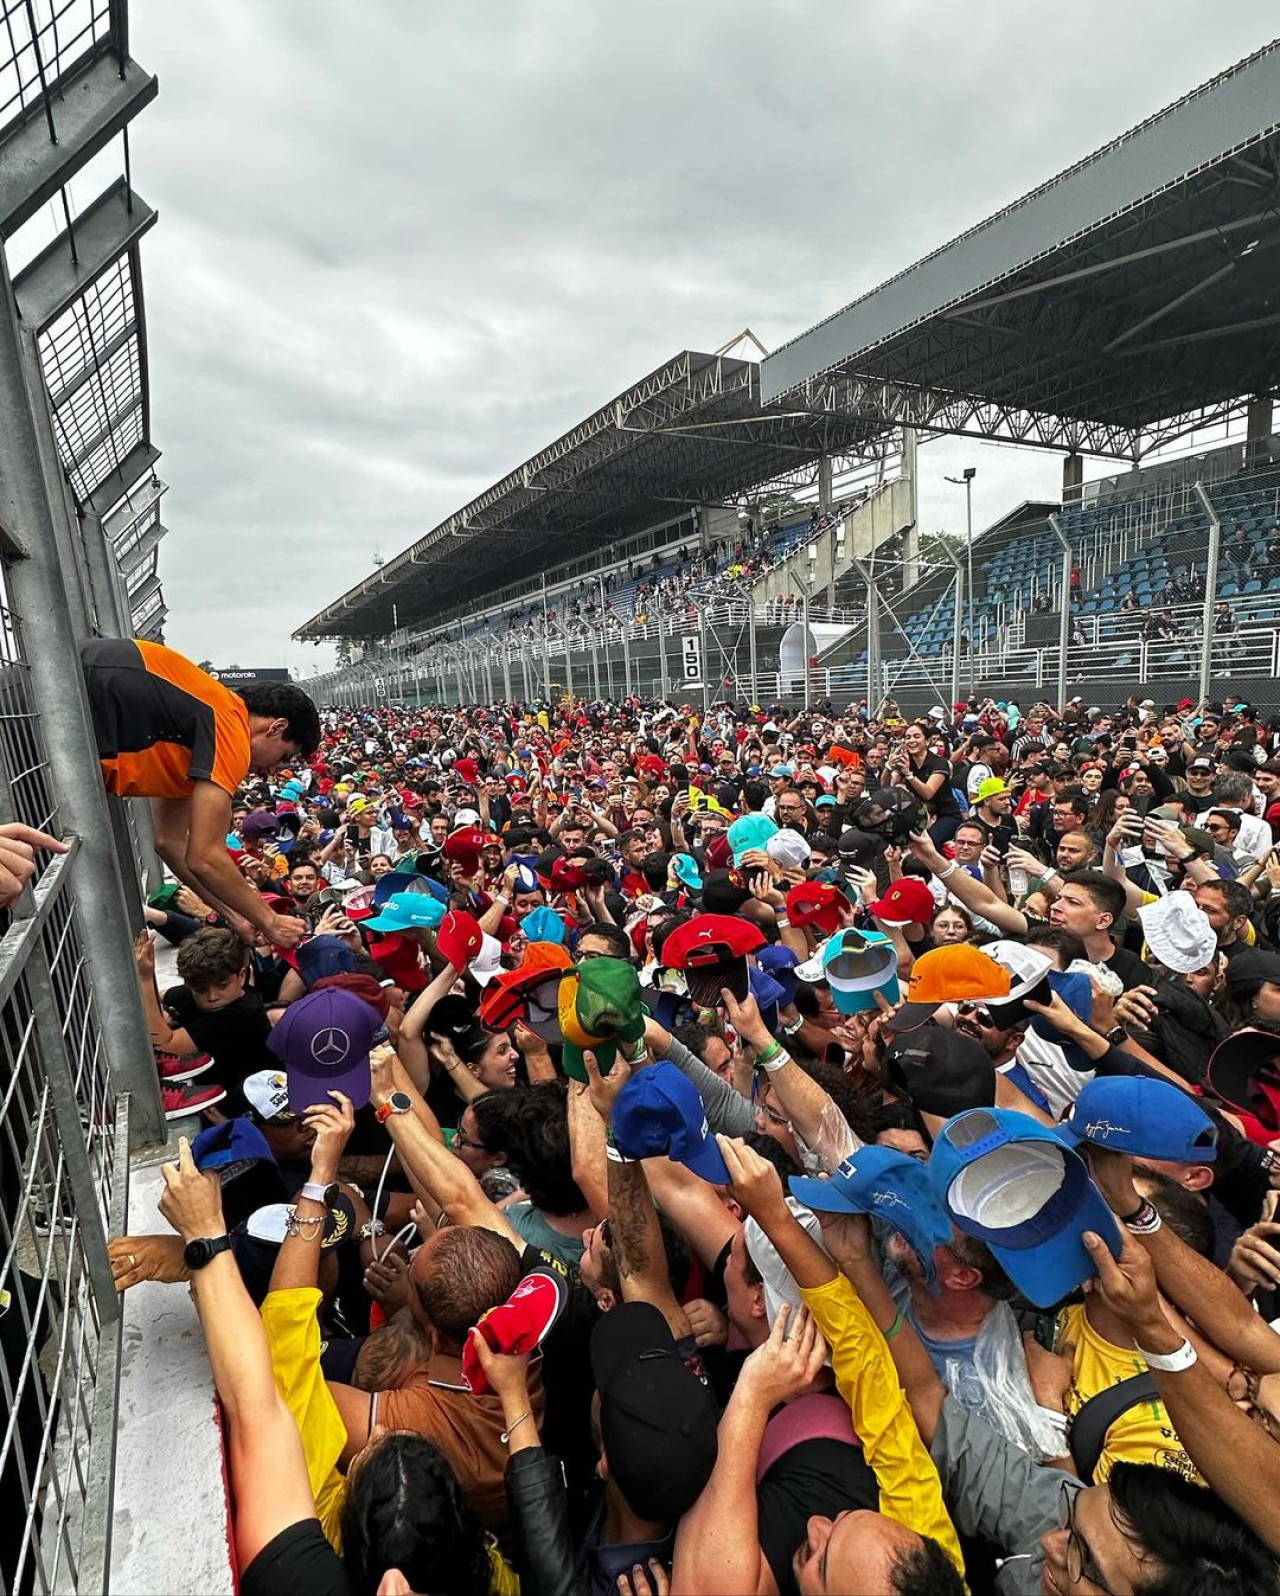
column 951, row 974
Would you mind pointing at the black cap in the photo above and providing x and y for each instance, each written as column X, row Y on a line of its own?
column 1244, row 1070
column 724, row 891
column 453, row 1017
column 1249, row 968
column 939, row 1071
column 657, row 1418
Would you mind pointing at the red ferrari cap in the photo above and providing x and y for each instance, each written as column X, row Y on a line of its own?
column 459, row 938
column 817, row 903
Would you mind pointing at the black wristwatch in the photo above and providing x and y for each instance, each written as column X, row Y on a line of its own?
column 196, row 1254
column 1116, row 1035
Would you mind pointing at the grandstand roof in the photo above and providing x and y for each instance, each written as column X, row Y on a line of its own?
column 692, row 432
column 1102, row 312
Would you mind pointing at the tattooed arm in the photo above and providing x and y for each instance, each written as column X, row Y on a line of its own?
column 637, row 1245
column 636, row 1236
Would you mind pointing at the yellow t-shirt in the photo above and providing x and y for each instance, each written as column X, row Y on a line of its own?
column 293, row 1335
column 910, row 1490
column 1143, row 1434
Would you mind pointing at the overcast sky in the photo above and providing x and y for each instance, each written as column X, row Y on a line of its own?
column 402, row 246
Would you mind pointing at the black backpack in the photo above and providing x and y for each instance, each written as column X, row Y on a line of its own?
column 1099, row 1413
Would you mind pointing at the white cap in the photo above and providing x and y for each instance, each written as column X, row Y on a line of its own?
column 1178, row 932
column 267, row 1093
column 488, row 962
column 1027, row 966
column 466, row 817
column 812, row 970
column 937, row 713
column 269, row 1223
column 788, row 849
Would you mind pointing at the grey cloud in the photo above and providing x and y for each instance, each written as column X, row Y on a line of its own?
column 404, row 246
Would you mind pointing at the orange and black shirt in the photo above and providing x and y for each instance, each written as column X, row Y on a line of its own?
column 160, row 723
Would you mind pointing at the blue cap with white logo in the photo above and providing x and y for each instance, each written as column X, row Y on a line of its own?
column 890, row 1186
column 1147, row 1118
column 408, row 911
column 1008, row 1180
column 658, row 1111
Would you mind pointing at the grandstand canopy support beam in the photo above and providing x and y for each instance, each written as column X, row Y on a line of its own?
column 92, row 106
column 61, row 272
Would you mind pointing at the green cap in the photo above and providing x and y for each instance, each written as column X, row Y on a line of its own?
column 599, row 1007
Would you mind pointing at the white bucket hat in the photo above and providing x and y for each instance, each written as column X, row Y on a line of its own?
column 1178, row 932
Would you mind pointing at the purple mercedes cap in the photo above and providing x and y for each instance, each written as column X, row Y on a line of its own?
column 323, row 1041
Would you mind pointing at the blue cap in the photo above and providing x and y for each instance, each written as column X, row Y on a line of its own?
column 1148, row 1118
column 658, row 1111
column 1076, row 991
column 887, row 1183
column 856, row 965
column 1008, row 1180
column 234, row 1141
column 543, row 925
column 409, row 911
column 748, row 832
column 394, row 881
column 825, row 800
column 323, row 956
column 781, row 770
column 780, row 962
column 687, row 871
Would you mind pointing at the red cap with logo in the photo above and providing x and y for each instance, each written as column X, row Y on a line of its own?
column 817, row 903
column 907, row 902
column 459, row 938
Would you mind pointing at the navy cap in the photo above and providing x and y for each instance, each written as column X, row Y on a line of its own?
column 1147, row 1118
column 323, row 956
column 780, row 961
column 658, row 1111
column 888, row 1184
column 1008, row 1180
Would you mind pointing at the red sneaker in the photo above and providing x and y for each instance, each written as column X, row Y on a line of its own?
column 182, row 1101
column 175, row 1068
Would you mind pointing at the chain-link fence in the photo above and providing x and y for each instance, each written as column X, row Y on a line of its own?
column 79, row 525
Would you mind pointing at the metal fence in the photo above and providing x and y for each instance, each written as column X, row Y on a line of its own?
column 79, row 528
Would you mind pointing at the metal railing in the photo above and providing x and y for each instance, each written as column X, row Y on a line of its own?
column 77, row 1075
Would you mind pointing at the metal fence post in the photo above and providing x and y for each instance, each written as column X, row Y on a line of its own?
column 37, row 585
column 1064, row 605
column 1210, row 591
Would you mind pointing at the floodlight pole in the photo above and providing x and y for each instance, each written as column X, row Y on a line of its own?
column 957, row 623
column 1064, row 618
column 1210, row 591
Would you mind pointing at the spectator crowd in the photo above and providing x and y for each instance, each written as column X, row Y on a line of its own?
column 749, row 1153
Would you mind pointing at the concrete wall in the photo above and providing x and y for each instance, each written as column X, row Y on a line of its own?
column 884, row 516
column 172, row 1526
